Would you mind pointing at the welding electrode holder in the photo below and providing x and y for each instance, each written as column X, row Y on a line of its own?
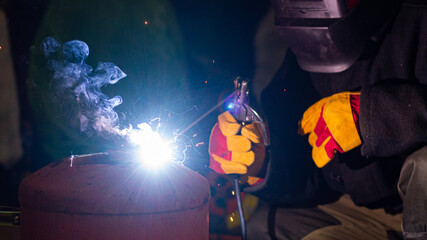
column 244, row 114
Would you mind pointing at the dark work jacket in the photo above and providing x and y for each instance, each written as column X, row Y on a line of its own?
column 392, row 78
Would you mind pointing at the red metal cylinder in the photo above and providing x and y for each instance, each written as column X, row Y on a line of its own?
column 107, row 196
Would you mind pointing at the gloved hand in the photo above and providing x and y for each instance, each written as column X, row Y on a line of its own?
column 234, row 153
column 333, row 126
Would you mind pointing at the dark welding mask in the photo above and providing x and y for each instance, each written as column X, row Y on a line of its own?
column 330, row 35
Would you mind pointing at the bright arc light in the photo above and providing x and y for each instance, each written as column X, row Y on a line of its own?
column 154, row 152
column 230, row 106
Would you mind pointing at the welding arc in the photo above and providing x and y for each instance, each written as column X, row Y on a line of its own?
column 205, row 114
column 240, row 207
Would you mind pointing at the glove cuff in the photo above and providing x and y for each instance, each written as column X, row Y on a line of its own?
column 252, row 181
column 355, row 103
column 340, row 120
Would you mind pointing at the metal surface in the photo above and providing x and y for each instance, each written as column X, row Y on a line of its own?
column 9, row 223
column 112, row 196
column 9, row 216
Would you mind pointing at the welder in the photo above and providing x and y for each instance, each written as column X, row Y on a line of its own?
column 355, row 81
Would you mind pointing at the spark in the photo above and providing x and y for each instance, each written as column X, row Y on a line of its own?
column 71, row 160
column 206, row 82
column 284, row 90
column 213, row 61
column 231, row 219
column 195, row 135
column 233, row 193
column 1, row 47
column 154, row 151
column 146, row 22
column 200, row 143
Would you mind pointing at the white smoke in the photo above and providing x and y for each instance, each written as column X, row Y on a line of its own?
column 77, row 86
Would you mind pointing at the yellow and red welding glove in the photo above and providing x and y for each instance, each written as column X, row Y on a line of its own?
column 236, row 149
column 333, row 126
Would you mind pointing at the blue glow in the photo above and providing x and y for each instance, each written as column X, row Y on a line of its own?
column 230, row 105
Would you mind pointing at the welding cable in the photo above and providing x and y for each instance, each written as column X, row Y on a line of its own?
column 240, row 207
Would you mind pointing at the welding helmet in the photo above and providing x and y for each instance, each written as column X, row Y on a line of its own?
column 330, row 35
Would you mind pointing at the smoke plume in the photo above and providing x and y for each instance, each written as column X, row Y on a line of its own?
column 77, row 86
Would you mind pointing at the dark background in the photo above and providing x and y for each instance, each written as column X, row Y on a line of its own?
column 216, row 45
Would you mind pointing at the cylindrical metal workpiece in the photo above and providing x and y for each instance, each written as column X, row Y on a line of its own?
column 113, row 196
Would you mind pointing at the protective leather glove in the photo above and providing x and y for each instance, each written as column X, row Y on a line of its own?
column 236, row 149
column 333, row 126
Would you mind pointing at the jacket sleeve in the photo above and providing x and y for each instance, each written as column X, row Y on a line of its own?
column 393, row 118
column 393, row 112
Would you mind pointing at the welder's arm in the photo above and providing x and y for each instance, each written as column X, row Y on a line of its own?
column 235, row 148
column 393, row 118
column 390, row 119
